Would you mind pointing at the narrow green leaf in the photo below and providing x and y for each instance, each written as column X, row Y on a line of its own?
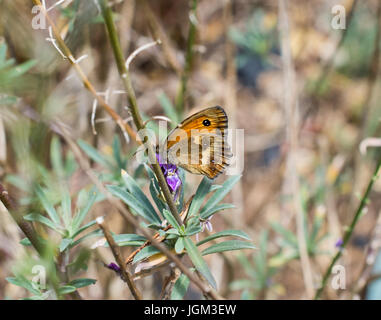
column 66, row 208
column 55, row 156
column 25, row 242
column 225, row 233
column 135, row 190
column 154, row 189
column 40, row 218
column 198, row 261
column 228, row 246
column 179, row 246
column 199, row 197
column 131, row 201
column 288, row 236
column 18, row 182
column 47, row 205
column 181, row 174
column 82, row 282
column 129, row 239
column 180, row 288
column 117, row 154
column 241, row 284
column 171, row 219
column 94, row 154
column 223, row 206
column 94, row 233
column 220, row 193
column 20, row 281
column 66, row 289
column 193, row 229
column 65, row 243
column 81, row 215
column 145, row 253
column 86, row 226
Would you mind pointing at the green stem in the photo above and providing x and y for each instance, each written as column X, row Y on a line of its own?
column 123, row 72
column 180, row 100
column 350, row 230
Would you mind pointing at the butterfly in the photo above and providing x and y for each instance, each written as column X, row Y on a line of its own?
column 199, row 143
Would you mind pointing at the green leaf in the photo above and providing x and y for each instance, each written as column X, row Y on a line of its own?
column 86, row 226
column 65, row 243
column 66, row 289
column 25, row 242
column 94, row 154
column 241, row 284
column 66, row 208
column 81, row 215
column 168, row 107
column 131, row 201
column 55, row 156
column 179, row 246
column 116, row 152
column 20, row 281
column 47, row 205
column 129, row 239
column 145, row 253
column 225, row 233
column 199, row 197
column 220, row 194
column 288, row 236
column 93, row 233
column 135, row 190
column 193, row 229
column 40, row 218
column 198, row 261
column 181, row 174
column 180, row 288
column 82, row 282
column 154, row 189
column 18, row 182
column 228, row 246
column 171, row 219
column 223, row 206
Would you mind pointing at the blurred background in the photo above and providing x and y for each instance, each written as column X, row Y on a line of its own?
column 305, row 93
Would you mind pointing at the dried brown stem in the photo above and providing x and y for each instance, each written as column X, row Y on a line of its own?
column 119, row 259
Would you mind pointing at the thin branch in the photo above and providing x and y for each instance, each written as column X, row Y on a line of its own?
column 124, row 74
column 66, row 53
column 350, row 229
column 139, row 50
column 292, row 120
column 181, row 96
column 159, row 33
column 119, row 259
column 25, row 226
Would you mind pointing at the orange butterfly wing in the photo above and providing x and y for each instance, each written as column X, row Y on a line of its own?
column 213, row 159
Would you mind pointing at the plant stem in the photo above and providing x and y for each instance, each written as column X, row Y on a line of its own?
column 180, row 100
column 87, row 84
column 25, row 226
column 123, row 72
column 119, row 260
column 350, row 229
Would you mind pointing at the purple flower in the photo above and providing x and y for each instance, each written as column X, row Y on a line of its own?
column 113, row 266
column 206, row 224
column 170, row 172
column 339, row 243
